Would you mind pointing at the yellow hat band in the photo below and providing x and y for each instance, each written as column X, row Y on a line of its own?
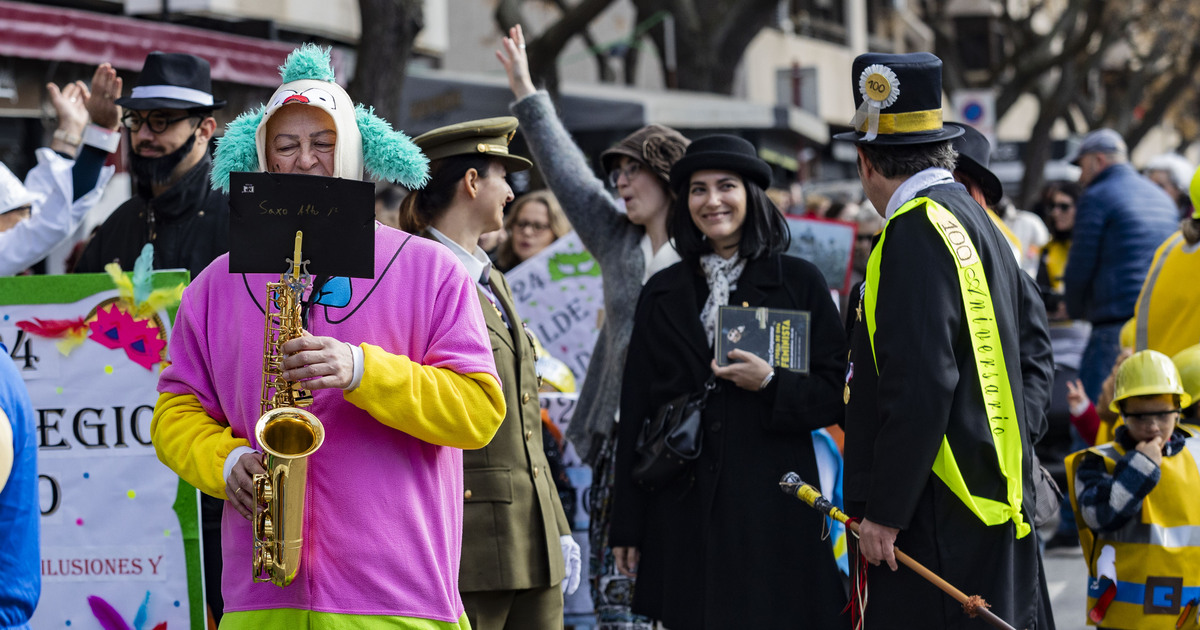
column 907, row 122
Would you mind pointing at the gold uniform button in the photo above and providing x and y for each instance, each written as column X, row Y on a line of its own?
column 525, row 397
column 535, row 472
column 467, row 494
column 528, row 435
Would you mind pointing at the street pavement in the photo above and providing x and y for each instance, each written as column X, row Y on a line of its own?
column 1066, row 580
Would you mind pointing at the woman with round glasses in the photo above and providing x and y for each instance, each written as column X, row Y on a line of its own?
column 534, row 222
column 630, row 246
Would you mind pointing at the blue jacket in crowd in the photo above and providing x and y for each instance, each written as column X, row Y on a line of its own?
column 20, row 518
column 1121, row 220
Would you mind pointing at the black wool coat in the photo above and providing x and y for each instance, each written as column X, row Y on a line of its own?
column 923, row 384
column 723, row 547
column 190, row 227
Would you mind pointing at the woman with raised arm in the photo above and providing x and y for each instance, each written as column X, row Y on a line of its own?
column 630, row 247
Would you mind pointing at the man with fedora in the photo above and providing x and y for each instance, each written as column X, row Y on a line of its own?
column 174, row 208
column 949, row 376
column 169, row 120
column 516, row 546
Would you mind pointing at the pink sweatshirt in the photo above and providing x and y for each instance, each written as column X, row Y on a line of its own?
column 383, row 512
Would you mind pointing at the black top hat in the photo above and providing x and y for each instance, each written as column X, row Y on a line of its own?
column 721, row 152
column 901, row 96
column 974, row 154
column 172, row 81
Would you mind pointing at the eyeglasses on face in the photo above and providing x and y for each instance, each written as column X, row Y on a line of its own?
column 156, row 119
column 1150, row 416
column 630, row 169
column 1063, row 207
column 532, row 226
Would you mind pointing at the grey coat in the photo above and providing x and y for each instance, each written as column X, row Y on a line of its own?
column 612, row 240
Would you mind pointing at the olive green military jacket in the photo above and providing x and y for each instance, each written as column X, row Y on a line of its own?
column 512, row 516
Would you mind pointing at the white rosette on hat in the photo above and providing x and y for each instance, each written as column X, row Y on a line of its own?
column 879, row 87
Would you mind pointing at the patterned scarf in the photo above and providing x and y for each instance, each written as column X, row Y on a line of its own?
column 721, row 274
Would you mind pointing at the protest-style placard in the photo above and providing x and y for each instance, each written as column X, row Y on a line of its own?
column 827, row 244
column 559, row 296
column 119, row 531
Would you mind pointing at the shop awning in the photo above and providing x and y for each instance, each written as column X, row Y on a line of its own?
column 56, row 34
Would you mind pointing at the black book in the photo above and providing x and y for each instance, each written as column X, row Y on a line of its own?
column 778, row 336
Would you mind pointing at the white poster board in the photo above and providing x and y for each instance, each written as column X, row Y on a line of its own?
column 558, row 294
column 119, row 532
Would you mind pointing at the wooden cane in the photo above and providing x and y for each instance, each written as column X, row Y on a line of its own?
column 973, row 605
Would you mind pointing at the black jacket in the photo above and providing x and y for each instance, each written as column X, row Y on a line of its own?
column 190, row 222
column 724, row 548
column 926, row 386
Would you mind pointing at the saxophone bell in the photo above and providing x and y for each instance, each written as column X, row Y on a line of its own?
column 288, row 436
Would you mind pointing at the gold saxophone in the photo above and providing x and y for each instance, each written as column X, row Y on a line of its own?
column 287, row 434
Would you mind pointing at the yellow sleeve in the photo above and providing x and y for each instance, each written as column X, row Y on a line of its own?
column 192, row 443
column 437, row 405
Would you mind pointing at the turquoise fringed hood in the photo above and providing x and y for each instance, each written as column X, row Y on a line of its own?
column 363, row 139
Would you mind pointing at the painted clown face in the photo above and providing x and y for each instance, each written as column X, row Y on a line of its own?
column 309, row 127
column 301, row 140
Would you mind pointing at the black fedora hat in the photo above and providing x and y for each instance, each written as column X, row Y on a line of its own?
column 172, row 81
column 974, row 154
column 721, row 152
column 898, row 100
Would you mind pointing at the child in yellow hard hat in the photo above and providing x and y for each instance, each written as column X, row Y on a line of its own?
column 1131, row 498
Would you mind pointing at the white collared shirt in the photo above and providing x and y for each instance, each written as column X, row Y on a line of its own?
column 908, row 190
column 478, row 266
column 657, row 261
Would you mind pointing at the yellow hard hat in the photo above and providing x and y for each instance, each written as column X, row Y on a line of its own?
column 1126, row 338
column 1188, row 364
column 1148, row 373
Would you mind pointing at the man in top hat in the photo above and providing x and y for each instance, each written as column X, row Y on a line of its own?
column 169, row 120
column 517, row 548
column 1120, row 220
column 949, row 375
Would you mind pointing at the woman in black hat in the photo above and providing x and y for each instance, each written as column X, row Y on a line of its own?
column 725, row 516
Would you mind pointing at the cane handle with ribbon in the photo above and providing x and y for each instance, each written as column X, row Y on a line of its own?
column 973, row 605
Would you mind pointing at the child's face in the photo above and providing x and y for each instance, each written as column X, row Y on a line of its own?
column 1149, row 417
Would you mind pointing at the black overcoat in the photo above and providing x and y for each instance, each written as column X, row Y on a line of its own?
column 923, row 384
column 724, row 548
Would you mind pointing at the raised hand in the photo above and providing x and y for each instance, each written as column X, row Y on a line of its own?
column 1076, row 397
column 101, row 105
column 516, row 62
column 69, row 107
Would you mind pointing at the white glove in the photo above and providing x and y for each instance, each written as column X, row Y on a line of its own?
column 573, row 564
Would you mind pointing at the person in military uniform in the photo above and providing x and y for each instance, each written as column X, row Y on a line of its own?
column 515, row 533
column 949, row 376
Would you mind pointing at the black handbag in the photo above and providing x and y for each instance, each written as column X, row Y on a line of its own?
column 670, row 441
